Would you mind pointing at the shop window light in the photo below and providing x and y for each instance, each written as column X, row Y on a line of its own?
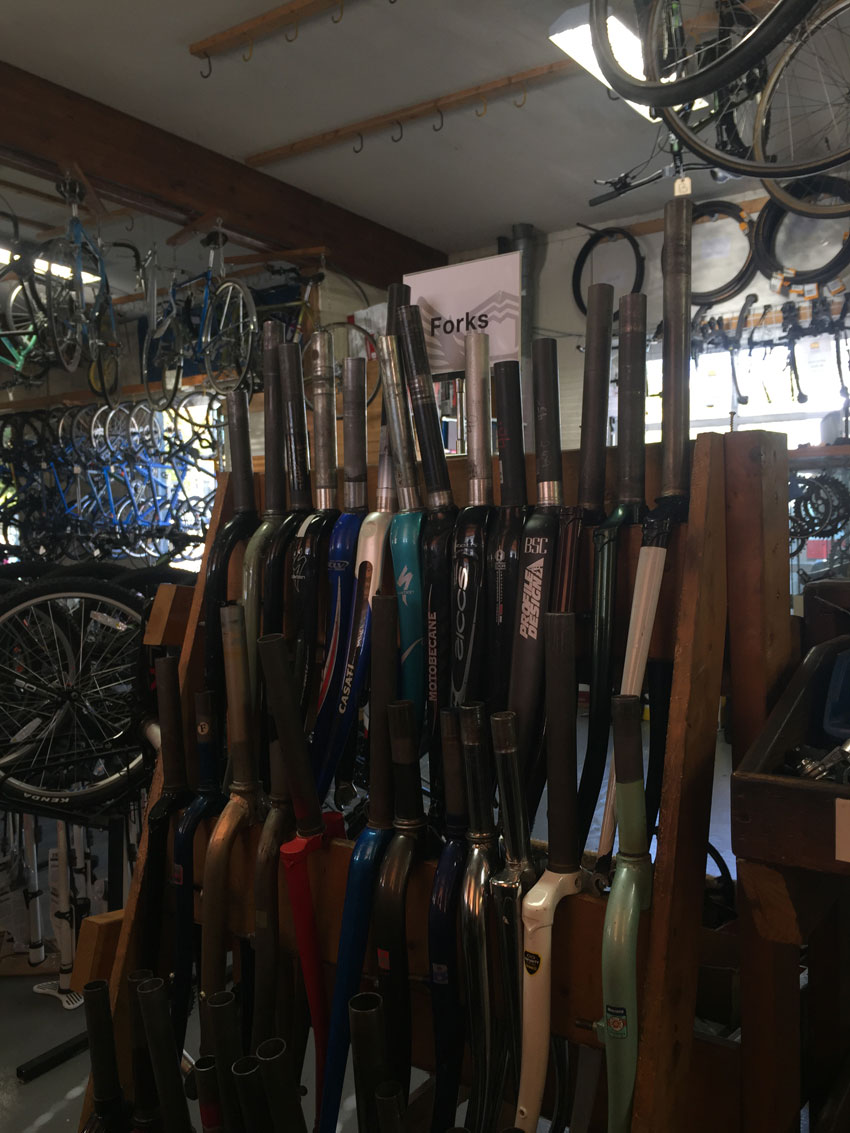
column 42, row 267
column 571, row 33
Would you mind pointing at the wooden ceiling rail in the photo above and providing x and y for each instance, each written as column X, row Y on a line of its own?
column 251, row 31
column 521, row 80
column 140, row 166
column 289, row 254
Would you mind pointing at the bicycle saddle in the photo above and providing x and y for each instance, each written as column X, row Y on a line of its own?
column 214, row 239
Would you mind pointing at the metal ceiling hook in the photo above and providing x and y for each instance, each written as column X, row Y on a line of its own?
column 338, row 19
column 393, row 138
column 519, row 105
column 437, row 129
column 291, row 39
column 358, row 149
column 481, row 113
column 246, row 55
column 206, row 74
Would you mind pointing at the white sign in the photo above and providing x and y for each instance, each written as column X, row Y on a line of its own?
column 478, row 295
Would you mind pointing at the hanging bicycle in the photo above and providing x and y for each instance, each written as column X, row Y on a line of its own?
column 222, row 338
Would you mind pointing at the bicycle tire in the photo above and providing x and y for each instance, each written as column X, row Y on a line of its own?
column 153, row 365
column 767, row 228
column 746, row 273
column 65, row 328
column 244, row 350
column 99, row 629
column 602, row 236
column 753, row 47
column 782, row 195
column 102, row 377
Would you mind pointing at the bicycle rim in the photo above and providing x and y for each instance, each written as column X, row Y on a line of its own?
column 69, row 656
column 228, row 336
column 162, row 364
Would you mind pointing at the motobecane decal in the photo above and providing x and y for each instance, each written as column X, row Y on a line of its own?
column 616, row 1022
column 532, row 962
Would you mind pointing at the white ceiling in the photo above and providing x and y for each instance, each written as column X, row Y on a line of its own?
column 456, row 189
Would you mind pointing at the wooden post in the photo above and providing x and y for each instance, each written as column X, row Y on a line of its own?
column 670, row 989
column 190, row 668
column 770, row 1017
column 757, row 578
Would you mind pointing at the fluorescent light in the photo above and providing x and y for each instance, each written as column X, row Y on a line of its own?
column 571, row 33
column 42, row 267
column 63, row 271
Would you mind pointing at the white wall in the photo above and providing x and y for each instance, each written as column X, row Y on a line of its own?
column 719, row 249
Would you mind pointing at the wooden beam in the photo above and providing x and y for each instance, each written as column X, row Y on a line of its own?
column 28, row 191
column 759, row 644
column 432, row 107
column 141, row 166
column 200, row 223
column 290, row 254
column 261, row 27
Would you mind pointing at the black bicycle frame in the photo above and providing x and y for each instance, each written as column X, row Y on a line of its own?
column 504, row 535
column 437, row 531
column 470, row 535
column 630, row 510
column 538, row 550
column 390, row 907
column 310, row 551
column 446, row 1007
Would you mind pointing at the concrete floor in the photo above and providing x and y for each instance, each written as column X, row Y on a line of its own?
column 32, row 1022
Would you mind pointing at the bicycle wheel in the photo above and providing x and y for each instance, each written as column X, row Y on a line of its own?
column 69, row 655
column 162, row 363
column 144, row 430
column 690, row 48
column 81, row 434
column 228, row 335
column 348, row 340
column 65, row 317
column 115, row 429
column 803, row 109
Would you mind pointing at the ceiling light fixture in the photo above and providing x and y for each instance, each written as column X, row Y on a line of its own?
column 571, row 33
